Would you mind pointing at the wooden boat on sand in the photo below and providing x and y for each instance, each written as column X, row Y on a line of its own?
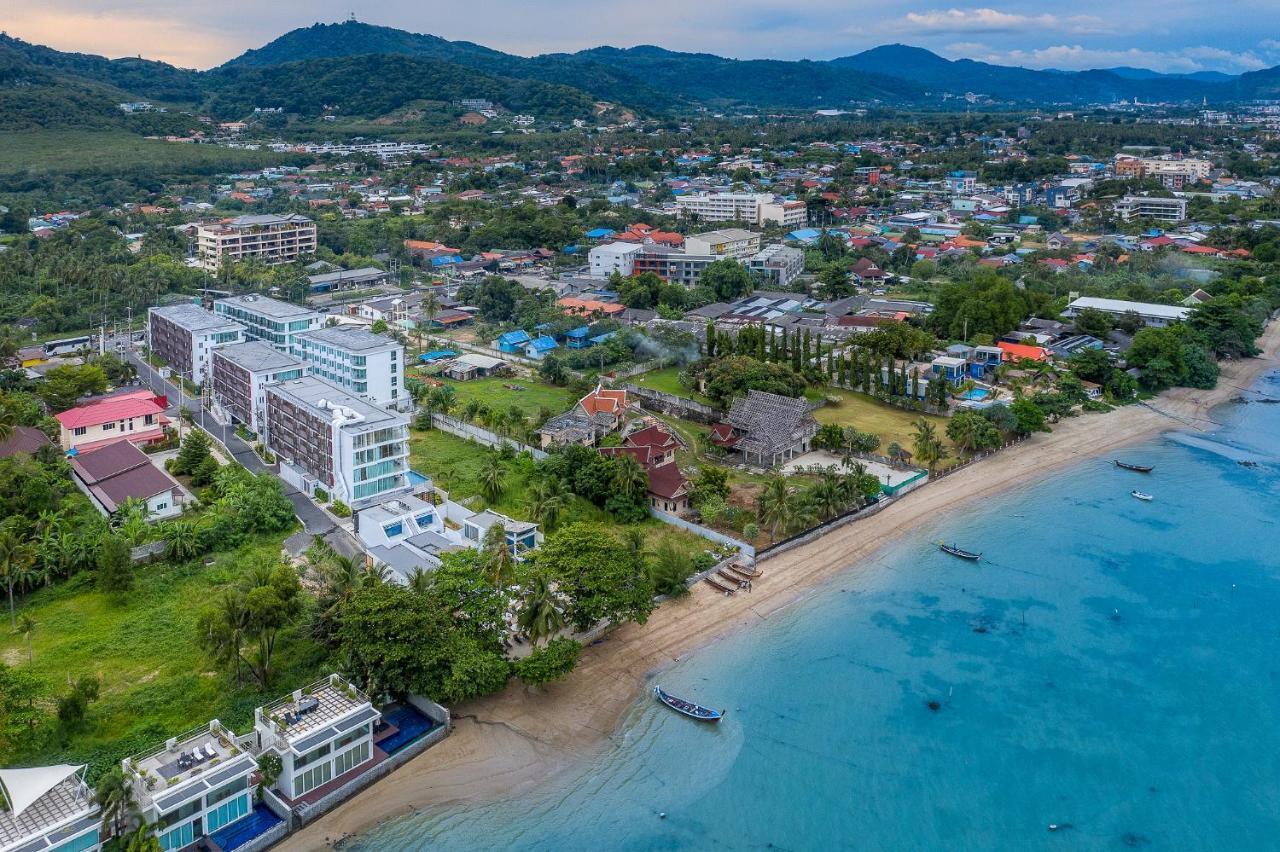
column 718, row 586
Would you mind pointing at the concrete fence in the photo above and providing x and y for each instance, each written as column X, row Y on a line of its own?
column 268, row 838
column 667, row 403
column 824, row 528
column 463, row 429
column 705, row 532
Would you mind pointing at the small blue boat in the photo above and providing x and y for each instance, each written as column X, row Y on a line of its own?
column 688, row 708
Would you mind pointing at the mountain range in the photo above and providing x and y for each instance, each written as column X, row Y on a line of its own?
column 371, row 71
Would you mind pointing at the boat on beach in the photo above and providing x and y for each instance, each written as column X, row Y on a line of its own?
column 718, row 586
column 744, row 572
column 1137, row 468
column 956, row 551
column 1142, row 495
column 688, row 708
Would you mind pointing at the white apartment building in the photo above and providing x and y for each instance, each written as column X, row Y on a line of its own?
column 269, row 320
column 759, row 209
column 1148, row 207
column 728, row 242
column 240, row 375
column 194, row 785
column 321, row 732
column 366, row 364
column 48, row 808
column 184, row 337
column 270, row 238
column 613, row 257
column 327, row 438
column 775, row 267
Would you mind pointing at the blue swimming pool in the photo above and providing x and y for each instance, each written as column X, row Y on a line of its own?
column 416, row 479
column 976, row 394
column 257, row 823
column 411, row 724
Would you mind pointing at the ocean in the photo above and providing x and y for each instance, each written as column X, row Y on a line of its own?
column 1111, row 667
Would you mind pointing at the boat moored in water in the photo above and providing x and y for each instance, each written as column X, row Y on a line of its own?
column 688, row 708
column 1137, row 468
column 956, row 551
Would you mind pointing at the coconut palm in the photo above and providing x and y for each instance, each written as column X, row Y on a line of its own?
column 27, row 626
column 826, row 497
column 471, row 410
column 8, row 423
column 224, row 629
column 539, row 615
column 926, row 445
column 773, row 505
column 181, row 540
column 114, row 795
column 548, row 497
column 419, row 579
column 499, row 560
column 16, row 559
column 492, row 474
column 629, row 477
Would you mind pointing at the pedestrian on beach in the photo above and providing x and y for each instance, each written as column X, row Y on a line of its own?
column 748, row 585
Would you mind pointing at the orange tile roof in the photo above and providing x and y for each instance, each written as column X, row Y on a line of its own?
column 589, row 306
column 604, row 401
column 1019, row 351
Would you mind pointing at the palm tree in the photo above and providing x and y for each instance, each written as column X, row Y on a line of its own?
column 498, row 558
column 142, row 840
column 925, row 443
column 540, row 616
column 826, row 497
column 8, row 422
column 181, row 540
column 548, row 497
column 16, row 557
column 629, row 477
column 774, row 506
column 224, row 629
column 114, row 795
column 27, row 626
column 492, row 474
column 419, row 580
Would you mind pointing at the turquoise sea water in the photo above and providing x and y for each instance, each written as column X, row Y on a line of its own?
column 1110, row 664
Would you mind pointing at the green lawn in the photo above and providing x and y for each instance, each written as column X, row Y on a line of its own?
column 870, row 415
column 155, row 679
column 667, row 380
column 113, row 151
column 493, row 393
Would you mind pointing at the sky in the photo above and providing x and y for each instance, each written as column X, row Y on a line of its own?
column 1175, row 36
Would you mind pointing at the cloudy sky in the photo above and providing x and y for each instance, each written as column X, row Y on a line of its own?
column 1173, row 36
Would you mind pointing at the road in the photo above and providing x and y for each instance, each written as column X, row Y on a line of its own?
column 313, row 519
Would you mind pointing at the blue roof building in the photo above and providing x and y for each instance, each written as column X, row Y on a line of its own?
column 437, row 355
column 539, row 347
column 513, row 341
column 577, row 339
column 599, row 233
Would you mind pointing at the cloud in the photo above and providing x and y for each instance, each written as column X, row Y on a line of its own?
column 985, row 20
column 116, row 34
column 1076, row 57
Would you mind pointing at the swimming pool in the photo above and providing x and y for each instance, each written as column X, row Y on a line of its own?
column 976, row 394
column 240, row 832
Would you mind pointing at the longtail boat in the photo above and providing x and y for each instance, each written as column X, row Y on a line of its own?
column 747, row 573
column 732, row 578
column 717, row 585
column 1138, row 468
column 955, row 551
column 688, row 708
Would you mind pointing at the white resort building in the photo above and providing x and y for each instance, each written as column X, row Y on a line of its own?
column 48, row 809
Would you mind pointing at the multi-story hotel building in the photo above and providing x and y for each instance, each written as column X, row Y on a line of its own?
column 366, row 364
column 759, row 209
column 269, row 320
column 240, row 374
column 270, row 238
column 775, row 267
column 728, row 242
column 1150, row 207
column 193, row 786
column 185, row 336
column 326, row 437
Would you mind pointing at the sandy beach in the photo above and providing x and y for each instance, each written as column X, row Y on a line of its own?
column 507, row 743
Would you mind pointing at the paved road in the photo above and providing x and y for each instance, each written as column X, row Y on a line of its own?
column 313, row 519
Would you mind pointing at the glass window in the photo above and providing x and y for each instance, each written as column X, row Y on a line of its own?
column 312, row 756
column 79, row 430
column 226, row 791
column 80, row 844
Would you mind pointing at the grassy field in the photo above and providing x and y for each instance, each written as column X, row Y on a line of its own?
column 869, row 415
column 156, row 681
column 667, row 380
column 491, row 392
column 109, row 151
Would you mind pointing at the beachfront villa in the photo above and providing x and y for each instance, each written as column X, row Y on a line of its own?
column 194, row 786
column 323, row 734
column 48, row 809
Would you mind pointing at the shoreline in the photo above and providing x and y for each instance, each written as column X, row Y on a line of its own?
column 508, row 743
